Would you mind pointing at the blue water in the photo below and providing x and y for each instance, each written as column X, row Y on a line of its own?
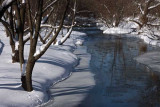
column 120, row 80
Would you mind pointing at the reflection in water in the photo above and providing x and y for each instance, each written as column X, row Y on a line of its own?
column 142, row 48
column 120, row 81
column 151, row 95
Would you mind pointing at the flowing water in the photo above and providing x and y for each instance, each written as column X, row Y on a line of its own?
column 120, row 80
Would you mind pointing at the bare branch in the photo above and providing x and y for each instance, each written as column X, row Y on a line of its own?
column 136, row 22
column 41, row 39
column 51, row 32
column 152, row 7
column 5, row 5
column 71, row 28
column 140, row 7
column 107, row 9
column 55, row 36
column 48, row 6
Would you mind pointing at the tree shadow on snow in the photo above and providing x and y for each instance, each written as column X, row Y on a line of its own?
column 70, row 90
column 2, row 46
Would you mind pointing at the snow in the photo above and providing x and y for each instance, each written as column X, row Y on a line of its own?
column 151, row 59
column 42, row 47
column 38, row 51
column 147, row 34
column 23, row 69
column 76, row 88
column 117, row 30
column 14, row 13
column 23, row 1
column 149, row 37
column 56, row 65
column 6, row 2
column 79, row 42
column 154, row 6
column 58, row 42
column 16, row 45
column 65, row 37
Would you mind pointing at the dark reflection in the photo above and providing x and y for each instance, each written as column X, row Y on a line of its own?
column 120, row 81
column 151, row 95
column 142, row 48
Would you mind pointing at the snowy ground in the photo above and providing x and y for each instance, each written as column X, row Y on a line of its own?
column 151, row 59
column 72, row 91
column 55, row 65
column 149, row 35
column 117, row 30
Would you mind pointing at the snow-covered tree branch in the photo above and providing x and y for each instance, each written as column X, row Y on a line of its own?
column 145, row 11
column 4, row 6
column 60, row 42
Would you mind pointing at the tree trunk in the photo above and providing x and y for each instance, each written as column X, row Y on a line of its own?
column 27, row 78
column 144, row 18
column 15, row 56
column 10, row 33
column 20, row 14
column 15, row 53
column 116, row 23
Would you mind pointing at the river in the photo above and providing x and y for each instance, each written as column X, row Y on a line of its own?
column 119, row 80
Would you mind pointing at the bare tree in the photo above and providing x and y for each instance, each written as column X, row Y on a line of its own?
column 111, row 12
column 145, row 7
column 15, row 29
column 34, row 35
column 70, row 28
column 26, row 23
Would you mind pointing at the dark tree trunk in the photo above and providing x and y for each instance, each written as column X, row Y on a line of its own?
column 15, row 56
column 144, row 18
column 27, row 78
column 62, row 33
column 116, row 23
column 15, row 53
column 20, row 30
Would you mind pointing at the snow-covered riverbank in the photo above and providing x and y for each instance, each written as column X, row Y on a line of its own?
column 54, row 66
column 150, row 36
column 72, row 91
column 151, row 59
